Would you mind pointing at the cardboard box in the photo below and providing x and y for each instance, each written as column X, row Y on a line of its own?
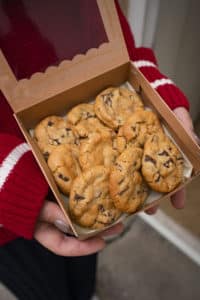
column 61, row 87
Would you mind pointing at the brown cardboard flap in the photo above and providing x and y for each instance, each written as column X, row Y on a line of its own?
column 27, row 92
column 8, row 82
column 183, row 139
column 87, row 91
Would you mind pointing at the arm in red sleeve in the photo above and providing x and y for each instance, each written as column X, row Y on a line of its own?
column 6, row 236
column 22, row 189
column 145, row 60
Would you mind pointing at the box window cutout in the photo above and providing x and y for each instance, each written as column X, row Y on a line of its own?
column 38, row 34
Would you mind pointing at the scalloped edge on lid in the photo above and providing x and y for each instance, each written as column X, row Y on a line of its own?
column 69, row 73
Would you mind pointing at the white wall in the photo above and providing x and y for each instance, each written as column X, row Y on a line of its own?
column 177, row 44
column 142, row 16
column 172, row 29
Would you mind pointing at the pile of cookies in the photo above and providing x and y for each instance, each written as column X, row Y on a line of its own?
column 107, row 154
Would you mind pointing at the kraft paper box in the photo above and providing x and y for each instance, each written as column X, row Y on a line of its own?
column 62, row 86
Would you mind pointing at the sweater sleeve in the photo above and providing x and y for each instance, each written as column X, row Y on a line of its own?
column 144, row 59
column 22, row 189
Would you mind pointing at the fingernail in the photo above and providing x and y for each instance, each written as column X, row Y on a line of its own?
column 62, row 226
column 197, row 138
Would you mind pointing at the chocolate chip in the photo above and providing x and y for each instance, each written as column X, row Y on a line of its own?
column 88, row 115
column 167, row 163
column 120, row 182
column 150, row 159
column 68, row 132
column 158, row 177
column 46, row 155
column 135, row 164
column 101, row 208
column 108, row 102
column 179, row 158
column 50, row 123
column 107, row 99
column 119, row 167
column 124, row 190
column 78, row 197
column 140, row 122
column 133, row 128
column 77, row 141
column 64, row 178
column 163, row 153
column 56, row 141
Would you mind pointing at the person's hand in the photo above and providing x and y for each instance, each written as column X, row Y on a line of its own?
column 47, row 233
column 178, row 199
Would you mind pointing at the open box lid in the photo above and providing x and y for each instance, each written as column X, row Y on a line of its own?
column 93, row 37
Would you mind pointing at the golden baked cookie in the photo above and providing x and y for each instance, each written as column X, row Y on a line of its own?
column 53, row 131
column 139, row 126
column 64, row 164
column 90, row 204
column 162, row 164
column 97, row 150
column 93, row 125
column 114, row 105
column 127, row 188
column 81, row 112
column 120, row 143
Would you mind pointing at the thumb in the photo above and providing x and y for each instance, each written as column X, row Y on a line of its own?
column 197, row 139
column 186, row 120
column 51, row 213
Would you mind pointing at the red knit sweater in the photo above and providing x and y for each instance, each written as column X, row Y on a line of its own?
column 22, row 186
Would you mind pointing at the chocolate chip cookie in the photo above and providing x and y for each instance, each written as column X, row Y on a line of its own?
column 120, row 142
column 114, row 105
column 53, row 131
column 139, row 126
column 64, row 164
column 90, row 203
column 81, row 112
column 93, row 125
column 97, row 150
column 162, row 164
column 127, row 188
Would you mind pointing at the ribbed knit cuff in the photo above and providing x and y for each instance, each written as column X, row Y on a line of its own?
column 173, row 96
column 169, row 92
column 145, row 54
column 22, row 187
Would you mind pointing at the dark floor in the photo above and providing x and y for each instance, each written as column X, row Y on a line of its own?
column 142, row 265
